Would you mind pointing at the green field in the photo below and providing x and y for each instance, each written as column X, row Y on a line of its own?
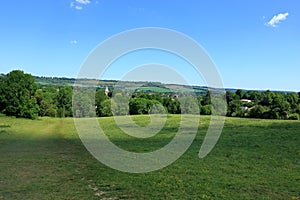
column 254, row 159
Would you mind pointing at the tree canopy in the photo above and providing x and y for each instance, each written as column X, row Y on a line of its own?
column 18, row 90
column 20, row 96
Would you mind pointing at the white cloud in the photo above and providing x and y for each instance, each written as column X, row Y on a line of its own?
column 78, row 4
column 73, row 42
column 277, row 19
column 78, row 7
column 85, row 2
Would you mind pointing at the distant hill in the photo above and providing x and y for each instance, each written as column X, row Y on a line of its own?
column 142, row 86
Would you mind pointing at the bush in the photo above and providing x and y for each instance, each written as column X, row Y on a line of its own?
column 119, row 105
column 138, row 106
column 294, row 116
column 155, row 107
column 189, row 105
column 105, row 108
column 206, row 110
column 259, row 112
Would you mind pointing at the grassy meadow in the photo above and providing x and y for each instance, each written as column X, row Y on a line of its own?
column 254, row 159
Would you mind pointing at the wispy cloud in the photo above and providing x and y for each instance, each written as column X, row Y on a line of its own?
column 78, row 7
column 85, row 2
column 74, row 42
column 78, row 4
column 277, row 19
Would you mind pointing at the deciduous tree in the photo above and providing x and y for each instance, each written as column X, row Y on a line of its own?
column 18, row 95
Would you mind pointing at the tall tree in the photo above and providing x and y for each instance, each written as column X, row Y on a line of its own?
column 2, row 103
column 19, row 89
column 45, row 100
column 120, row 104
column 255, row 96
column 240, row 93
column 189, row 105
column 280, row 108
column 293, row 99
column 267, row 98
column 171, row 105
column 207, row 98
column 64, row 101
column 138, row 106
column 100, row 97
column 230, row 96
column 235, row 109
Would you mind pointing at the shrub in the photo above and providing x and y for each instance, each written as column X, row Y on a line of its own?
column 206, row 110
column 294, row 116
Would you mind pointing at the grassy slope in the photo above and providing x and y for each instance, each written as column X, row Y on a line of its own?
column 254, row 159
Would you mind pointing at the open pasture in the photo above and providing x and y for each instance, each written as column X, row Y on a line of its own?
column 253, row 159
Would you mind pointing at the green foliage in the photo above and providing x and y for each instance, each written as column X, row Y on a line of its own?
column 2, row 95
column 18, row 91
column 259, row 111
column 120, row 104
column 219, row 105
column 20, row 97
column 230, row 96
column 64, row 101
column 189, row 105
column 294, row 116
column 138, row 106
column 46, row 101
column 280, row 108
column 155, row 107
column 255, row 96
column 207, row 98
column 267, row 98
column 293, row 100
column 172, row 105
column 235, row 109
column 105, row 108
column 267, row 104
column 100, row 96
column 240, row 93
column 83, row 104
column 206, row 110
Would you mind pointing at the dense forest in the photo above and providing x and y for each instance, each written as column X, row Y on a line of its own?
column 22, row 96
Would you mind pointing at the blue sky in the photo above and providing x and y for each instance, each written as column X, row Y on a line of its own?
column 254, row 44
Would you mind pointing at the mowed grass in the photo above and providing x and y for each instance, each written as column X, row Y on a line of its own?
column 254, row 159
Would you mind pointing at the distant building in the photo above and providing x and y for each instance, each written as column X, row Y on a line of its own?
column 106, row 91
column 246, row 101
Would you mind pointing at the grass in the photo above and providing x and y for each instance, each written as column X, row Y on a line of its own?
column 254, row 159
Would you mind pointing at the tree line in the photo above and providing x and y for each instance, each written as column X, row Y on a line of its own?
column 20, row 96
column 266, row 104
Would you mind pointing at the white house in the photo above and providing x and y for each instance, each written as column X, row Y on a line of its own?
column 246, row 101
